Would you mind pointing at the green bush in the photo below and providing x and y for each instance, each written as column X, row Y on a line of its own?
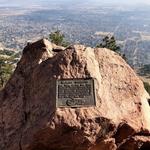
column 6, row 69
column 58, row 38
column 110, row 43
column 147, row 87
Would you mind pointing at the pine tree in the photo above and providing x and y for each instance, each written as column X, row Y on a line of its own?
column 110, row 43
column 58, row 38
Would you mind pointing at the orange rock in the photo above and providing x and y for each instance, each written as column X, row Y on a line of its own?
column 29, row 119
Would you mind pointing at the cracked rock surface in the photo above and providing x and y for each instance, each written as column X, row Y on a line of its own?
column 29, row 119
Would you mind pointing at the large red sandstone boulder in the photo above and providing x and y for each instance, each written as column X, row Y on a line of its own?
column 30, row 120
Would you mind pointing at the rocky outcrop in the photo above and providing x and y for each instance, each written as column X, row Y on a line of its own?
column 30, row 120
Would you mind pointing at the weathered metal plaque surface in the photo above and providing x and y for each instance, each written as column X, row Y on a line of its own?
column 75, row 93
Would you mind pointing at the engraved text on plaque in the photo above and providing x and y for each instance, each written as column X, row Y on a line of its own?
column 75, row 93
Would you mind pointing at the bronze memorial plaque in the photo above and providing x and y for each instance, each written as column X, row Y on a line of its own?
column 75, row 93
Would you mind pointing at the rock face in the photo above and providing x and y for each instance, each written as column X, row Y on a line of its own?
column 29, row 119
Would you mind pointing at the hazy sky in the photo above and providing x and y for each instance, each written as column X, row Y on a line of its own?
column 127, row 1
column 40, row 2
